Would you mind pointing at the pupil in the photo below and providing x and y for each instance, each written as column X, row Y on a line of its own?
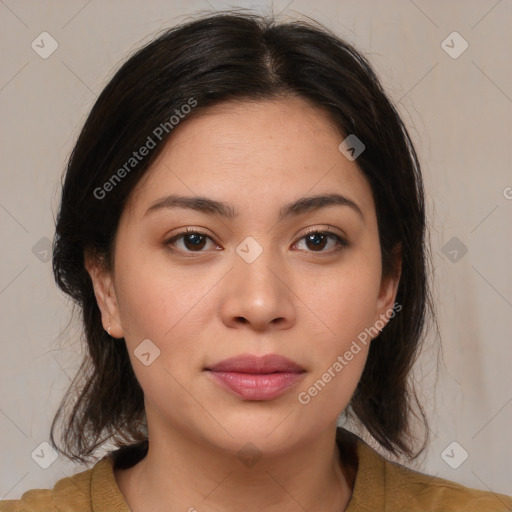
column 195, row 240
column 320, row 242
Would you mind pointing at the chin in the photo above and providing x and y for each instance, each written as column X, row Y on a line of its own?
column 271, row 432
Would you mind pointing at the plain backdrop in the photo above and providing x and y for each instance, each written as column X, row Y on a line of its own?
column 457, row 106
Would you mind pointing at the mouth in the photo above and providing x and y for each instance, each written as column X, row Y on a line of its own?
column 253, row 377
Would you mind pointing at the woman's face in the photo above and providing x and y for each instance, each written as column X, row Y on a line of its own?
column 252, row 282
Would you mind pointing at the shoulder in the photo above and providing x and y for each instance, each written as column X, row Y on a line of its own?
column 95, row 488
column 424, row 492
column 69, row 494
column 400, row 485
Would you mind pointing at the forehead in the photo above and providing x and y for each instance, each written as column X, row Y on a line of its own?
column 256, row 151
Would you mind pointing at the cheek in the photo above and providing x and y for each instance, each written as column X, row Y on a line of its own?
column 157, row 305
column 344, row 300
column 142, row 287
column 160, row 303
column 341, row 345
column 345, row 305
column 142, row 308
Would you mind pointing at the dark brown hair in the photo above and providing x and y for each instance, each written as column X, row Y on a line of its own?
column 219, row 58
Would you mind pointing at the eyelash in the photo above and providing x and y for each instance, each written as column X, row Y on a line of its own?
column 341, row 242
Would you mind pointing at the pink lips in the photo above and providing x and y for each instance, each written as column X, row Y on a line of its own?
column 256, row 377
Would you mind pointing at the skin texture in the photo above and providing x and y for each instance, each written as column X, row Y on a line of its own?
column 306, row 303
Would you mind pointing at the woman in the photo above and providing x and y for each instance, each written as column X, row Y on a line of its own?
column 242, row 224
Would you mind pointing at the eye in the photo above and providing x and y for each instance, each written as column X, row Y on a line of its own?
column 318, row 240
column 193, row 240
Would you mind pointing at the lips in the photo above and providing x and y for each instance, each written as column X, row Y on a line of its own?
column 256, row 377
column 247, row 363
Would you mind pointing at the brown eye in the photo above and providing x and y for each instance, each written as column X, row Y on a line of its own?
column 316, row 241
column 192, row 241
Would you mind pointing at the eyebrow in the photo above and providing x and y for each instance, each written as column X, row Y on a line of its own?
column 212, row 207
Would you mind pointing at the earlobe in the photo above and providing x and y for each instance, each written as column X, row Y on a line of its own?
column 105, row 294
column 389, row 286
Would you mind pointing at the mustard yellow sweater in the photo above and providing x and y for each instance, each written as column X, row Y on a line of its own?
column 379, row 485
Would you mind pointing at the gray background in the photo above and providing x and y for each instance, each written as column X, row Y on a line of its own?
column 459, row 113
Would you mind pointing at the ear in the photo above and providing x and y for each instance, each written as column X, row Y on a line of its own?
column 389, row 286
column 102, row 281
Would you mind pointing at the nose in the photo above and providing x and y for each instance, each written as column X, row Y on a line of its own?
column 258, row 295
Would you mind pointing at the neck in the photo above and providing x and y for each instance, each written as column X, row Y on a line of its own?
column 179, row 474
